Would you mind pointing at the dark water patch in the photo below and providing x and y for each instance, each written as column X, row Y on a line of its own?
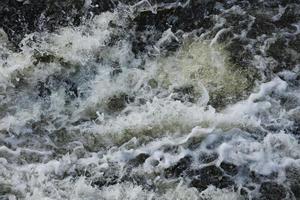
column 262, row 25
column 118, row 102
column 293, row 180
column 186, row 18
column 184, row 94
column 210, row 175
column 272, row 191
column 229, row 168
column 177, row 169
column 138, row 160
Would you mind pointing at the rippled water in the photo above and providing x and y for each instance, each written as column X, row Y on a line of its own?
column 150, row 100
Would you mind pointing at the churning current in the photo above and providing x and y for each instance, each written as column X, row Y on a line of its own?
column 150, row 100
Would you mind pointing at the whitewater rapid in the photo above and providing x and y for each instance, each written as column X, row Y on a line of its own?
column 123, row 107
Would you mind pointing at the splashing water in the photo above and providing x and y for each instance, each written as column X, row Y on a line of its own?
column 149, row 100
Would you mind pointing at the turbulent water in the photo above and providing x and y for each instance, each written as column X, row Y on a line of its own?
column 146, row 100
